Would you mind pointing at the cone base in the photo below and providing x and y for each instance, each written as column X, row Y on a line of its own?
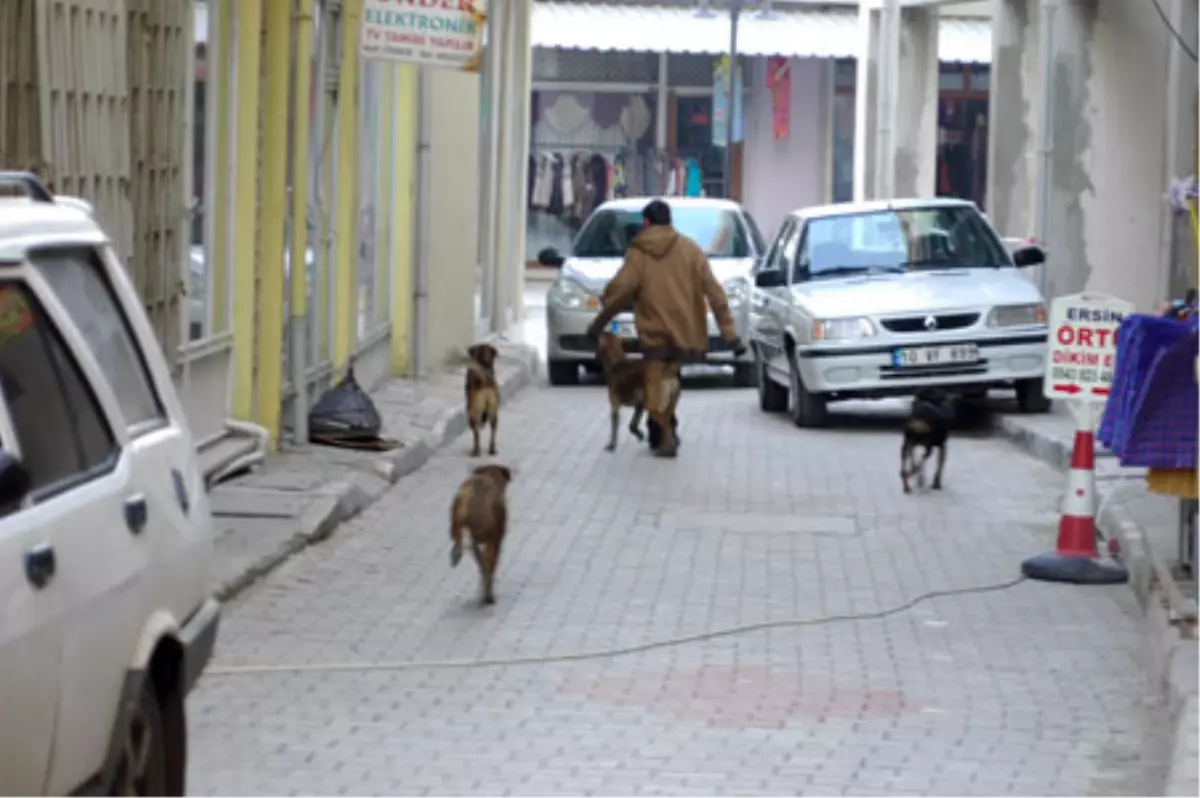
column 1055, row 567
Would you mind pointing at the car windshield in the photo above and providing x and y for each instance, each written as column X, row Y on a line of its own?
column 716, row 230
column 948, row 237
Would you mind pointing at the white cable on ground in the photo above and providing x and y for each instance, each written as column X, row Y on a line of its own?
column 404, row 665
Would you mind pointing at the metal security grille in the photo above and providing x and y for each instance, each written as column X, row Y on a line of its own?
column 580, row 66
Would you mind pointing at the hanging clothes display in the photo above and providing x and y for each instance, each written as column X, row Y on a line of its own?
column 694, row 185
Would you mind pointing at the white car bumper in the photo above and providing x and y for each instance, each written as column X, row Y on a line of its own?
column 861, row 369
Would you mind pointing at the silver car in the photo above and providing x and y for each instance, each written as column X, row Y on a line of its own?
column 721, row 227
column 866, row 300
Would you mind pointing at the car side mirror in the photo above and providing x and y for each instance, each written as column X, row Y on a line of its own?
column 1029, row 256
column 551, row 258
column 15, row 481
column 771, row 278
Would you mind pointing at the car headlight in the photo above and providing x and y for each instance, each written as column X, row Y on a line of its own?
column 568, row 294
column 737, row 291
column 842, row 329
column 1017, row 315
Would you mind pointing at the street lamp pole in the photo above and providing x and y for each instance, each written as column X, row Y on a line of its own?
column 735, row 13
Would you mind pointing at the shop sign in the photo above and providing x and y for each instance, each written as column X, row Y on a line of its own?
column 439, row 33
column 1083, row 346
column 720, row 102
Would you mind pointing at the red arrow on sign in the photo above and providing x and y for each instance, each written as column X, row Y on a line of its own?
column 1100, row 391
column 1071, row 389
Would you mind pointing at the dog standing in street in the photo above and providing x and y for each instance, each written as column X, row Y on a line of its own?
column 480, row 509
column 927, row 426
column 483, row 393
column 626, row 383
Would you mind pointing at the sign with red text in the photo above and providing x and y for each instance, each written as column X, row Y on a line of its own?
column 1083, row 346
column 440, row 33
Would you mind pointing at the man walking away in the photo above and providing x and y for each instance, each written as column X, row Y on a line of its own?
column 668, row 280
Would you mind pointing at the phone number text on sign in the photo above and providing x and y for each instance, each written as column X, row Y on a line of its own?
column 1083, row 346
column 445, row 33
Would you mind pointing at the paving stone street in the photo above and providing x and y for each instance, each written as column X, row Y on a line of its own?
column 1031, row 690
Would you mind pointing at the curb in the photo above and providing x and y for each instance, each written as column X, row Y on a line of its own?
column 1171, row 653
column 340, row 501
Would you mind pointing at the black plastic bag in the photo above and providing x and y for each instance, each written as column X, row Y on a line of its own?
column 344, row 412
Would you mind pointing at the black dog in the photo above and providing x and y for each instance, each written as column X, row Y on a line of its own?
column 927, row 426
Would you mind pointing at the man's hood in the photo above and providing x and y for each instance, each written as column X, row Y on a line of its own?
column 656, row 241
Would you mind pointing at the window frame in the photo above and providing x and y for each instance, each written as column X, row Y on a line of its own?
column 95, row 257
column 86, row 370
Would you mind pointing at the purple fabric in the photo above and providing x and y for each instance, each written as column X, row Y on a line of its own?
column 1150, row 417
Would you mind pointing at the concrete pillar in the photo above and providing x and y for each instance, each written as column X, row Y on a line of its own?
column 520, row 68
column 451, row 244
column 915, row 133
column 895, row 134
column 1178, row 244
column 1011, row 157
column 866, row 95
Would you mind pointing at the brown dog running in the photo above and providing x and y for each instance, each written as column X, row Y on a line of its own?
column 480, row 506
column 483, row 394
column 626, row 382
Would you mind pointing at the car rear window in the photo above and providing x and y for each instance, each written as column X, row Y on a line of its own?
column 718, row 231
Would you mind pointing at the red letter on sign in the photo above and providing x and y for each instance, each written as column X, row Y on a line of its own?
column 1066, row 335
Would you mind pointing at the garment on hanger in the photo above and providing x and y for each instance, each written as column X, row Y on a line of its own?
column 555, row 206
column 620, row 187
column 695, row 179
column 542, row 190
column 568, row 192
column 531, row 190
column 578, row 187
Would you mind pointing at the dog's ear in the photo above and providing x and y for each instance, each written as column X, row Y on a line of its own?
column 473, row 352
column 490, row 353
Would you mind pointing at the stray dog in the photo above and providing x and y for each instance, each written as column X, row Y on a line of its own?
column 483, row 394
column 626, row 383
column 927, row 426
column 480, row 507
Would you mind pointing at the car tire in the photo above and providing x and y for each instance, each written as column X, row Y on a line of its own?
column 1031, row 397
column 152, row 762
column 744, row 375
column 563, row 372
column 772, row 397
column 808, row 409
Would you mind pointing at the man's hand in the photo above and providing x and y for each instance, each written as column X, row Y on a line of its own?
column 596, row 327
column 736, row 345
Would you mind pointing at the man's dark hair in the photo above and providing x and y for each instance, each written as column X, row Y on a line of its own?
column 657, row 213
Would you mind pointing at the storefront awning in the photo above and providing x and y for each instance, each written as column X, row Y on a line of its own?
column 808, row 33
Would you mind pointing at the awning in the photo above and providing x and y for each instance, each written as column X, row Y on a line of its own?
column 811, row 33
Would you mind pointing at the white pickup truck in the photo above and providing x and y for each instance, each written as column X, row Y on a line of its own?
column 106, row 537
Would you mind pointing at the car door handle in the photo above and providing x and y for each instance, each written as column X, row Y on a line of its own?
column 40, row 565
column 136, row 513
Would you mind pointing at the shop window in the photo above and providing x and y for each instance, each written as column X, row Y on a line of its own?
column 584, row 66
column 952, row 77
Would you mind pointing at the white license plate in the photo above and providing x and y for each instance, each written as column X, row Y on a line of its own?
column 934, row 355
column 622, row 329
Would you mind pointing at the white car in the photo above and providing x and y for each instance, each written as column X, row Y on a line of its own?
column 106, row 537
column 867, row 300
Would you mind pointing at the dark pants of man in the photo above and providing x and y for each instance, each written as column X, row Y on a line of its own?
column 662, row 397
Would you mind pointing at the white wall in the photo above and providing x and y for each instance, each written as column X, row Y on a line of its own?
column 780, row 176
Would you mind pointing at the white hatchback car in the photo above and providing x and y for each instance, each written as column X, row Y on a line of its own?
column 874, row 299
column 106, row 537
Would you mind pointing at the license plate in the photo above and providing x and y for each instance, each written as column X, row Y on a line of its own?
column 934, row 355
column 622, row 329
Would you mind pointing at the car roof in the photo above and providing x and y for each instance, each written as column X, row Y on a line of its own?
column 874, row 206
column 637, row 203
column 27, row 223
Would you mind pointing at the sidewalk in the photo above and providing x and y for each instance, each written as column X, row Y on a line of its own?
column 299, row 496
column 1145, row 525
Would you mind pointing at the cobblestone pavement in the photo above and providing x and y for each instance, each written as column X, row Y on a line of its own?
column 1033, row 690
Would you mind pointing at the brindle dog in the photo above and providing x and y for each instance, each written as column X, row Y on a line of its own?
column 626, row 383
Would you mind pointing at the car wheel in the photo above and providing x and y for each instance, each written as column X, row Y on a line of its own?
column 808, row 409
column 563, row 372
column 1031, row 397
column 772, row 397
column 150, row 763
column 744, row 375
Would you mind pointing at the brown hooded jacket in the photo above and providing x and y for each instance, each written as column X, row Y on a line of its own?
column 668, row 280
